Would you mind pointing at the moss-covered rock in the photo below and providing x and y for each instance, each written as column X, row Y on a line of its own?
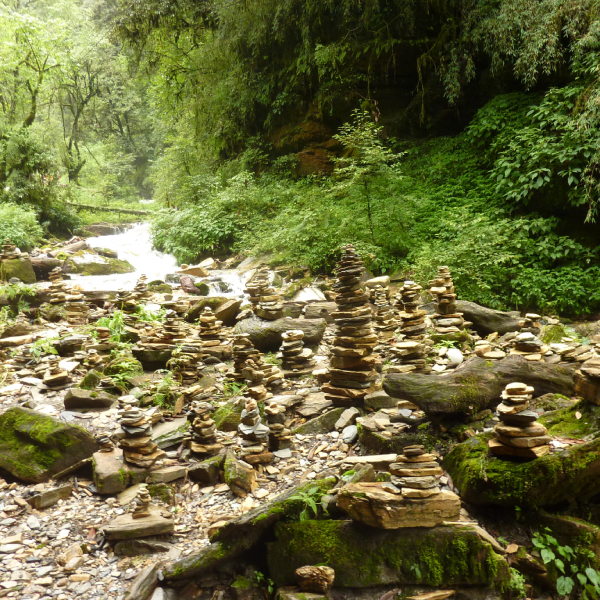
column 202, row 287
column 363, row 556
column 379, row 444
column 213, row 302
column 160, row 288
column 34, row 447
column 124, row 365
column 322, row 424
column 17, row 267
column 565, row 421
column 484, row 480
column 85, row 263
column 227, row 418
column 90, row 380
column 52, row 312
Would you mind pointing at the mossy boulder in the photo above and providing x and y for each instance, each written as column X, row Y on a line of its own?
column 227, row 418
column 484, row 480
column 213, row 302
column 379, row 444
column 124, row 365
column 34, row 447
column 160, row 288
column 85, row 263
column 52, row 312
column 90, row 380
column 579, row 420
column 202, row 287
column 20, row 268
column 364, row 556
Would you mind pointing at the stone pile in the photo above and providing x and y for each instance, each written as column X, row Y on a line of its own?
column 352, row 373
column 530, row 323
column 243, row 351
column 412, row 354
column 105, row 443
column 248, row 362
column 529, row 346
column 254, row 435
column 203, row 432
column 518, row 434
column 412, row 318
column 141, row 289
column 137, row 445
column 93, row 360
column 55, row 376
column 416, row 473
column 142, row 503
column 296, row 360
column 266, row 302
column 9, row 250
column 76, row 309
column 587, row 380
column 446, row 319
column 385, row 324
column 58, row 288
column 125, row 301
column 211, row 332
column 280, row 436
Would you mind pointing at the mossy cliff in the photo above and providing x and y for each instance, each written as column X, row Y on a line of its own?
column 364, row 556
column 34, row 447
column 548, row 481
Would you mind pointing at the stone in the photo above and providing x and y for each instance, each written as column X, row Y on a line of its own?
column 379, row 399
column 366, row 557
column 195, row 270
column 207, row 471
column 228, row 311
column 141, row 547
column 315, row 579
column 81, row 398
column 368, row 503
column 125, row 527
column 21, row 268
column 322, row 424
column 350, row 434
column 94, row 264
column 348, row 417
column 240, row 478
column 167, row 474
column 266, row 335
column 112, row 475
column 47, row 498
column 35, row 447
column 144, row 584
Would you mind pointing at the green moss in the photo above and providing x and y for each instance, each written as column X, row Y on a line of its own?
column 110, row 266
column 553, row 334
column 564, row 422
column 227, row 418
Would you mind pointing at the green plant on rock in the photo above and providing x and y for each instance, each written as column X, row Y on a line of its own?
column 42, row 347
column 572, row 567
column 261, row 580
column 310, row 498
column 116, row 324
column 162, row 397
column 516, row 585
column 15, row 292
column 232, row 389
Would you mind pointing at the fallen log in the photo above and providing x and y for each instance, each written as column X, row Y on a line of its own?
column 42, row 265
column 127, row 211
column 476, row 385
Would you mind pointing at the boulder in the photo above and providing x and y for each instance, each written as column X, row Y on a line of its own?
column 35, row 447
column 195, row 270
column 239, row 476
column 213, row 302
column 383, row 281
column 144, row 585
column 112, row 475
column 476, row 385
column 21, row 268
column 322, row 424
column 266, row 335
column 187, row 286
column 482, row 480
column 365, row 557
column 42, row 265
column 372, row 505
column 202, row 288
column 207, row 472
column 94, row 264
column 104, row 229
column 125, row 527
column 107, row 252
column 141, row 547
column 320, row 310
column 227, row 312
column 80, row 398
column 48, row 498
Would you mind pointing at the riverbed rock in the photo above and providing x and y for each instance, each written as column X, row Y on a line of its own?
column 47, row 498
column 364, row 556
column 227, row 312
column 320, row 310
column 80, row 398
column 266, row 335
column 21, row 268
column 104, row 229
column 207, row 472
column 34, row 447
column 476, row 385
column 239, row 476
column 112, row 475
column 482, row 480
column 85, row 263
column 125, row 527
column 213, row 302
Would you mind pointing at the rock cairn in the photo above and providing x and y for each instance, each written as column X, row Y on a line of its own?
column 255, row 435
column 266, row 302
column 446, row 320
column 416, row 473
column 142, row 503
column 243, row 351
column 248, row 363
column 529, row 346
column 530, row 323
column 105, row 443
column 412, row 318
column 55, row 376
column 518, row 434
column 587, row 380
column 203, row 431
column 296, row 360
column 280, row 436
column 211, row 332
column 385, row 323
column 412, row 355
column 9, row 250
column 76, row 309
column 137, row 445
column 352, row 373
column 140, row 289
column 58, row 288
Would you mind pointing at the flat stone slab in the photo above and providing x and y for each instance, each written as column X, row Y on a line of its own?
column 167, row 474
column 125, row 527
column 313, row 405
column 112, row 475
column 48, row 498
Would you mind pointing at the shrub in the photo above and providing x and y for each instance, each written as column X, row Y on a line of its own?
column 20, row 225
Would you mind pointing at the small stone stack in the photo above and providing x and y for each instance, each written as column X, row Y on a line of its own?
column 142, row 503
column 141, row 288
column 529, row 346
column 296, row 360
column 280, row 436
column 76, row 309
column 352, row 367
column 255, row 435
column 412, row 318
column 446, row 319
column 203, row 434
column 412, row 355
column 587, row 380
column 385, row 324
column 243, row 350
column 518, row 434
column 58, row 288
column 255, row 376
column 93, row 360
column 55, row 376
column 137, row 445
column 210, row 329
column 416, row 473
column 266, row 302
column 105, row 443
column 530, row 323
column 9, row 250
column 125, row 301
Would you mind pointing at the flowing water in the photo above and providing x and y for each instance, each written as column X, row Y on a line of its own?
column 135, row 246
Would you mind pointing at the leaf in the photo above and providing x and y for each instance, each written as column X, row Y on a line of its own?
column 560, row 564
column 564, row 585
column 593, row 575
column 582, row 578
column 547, row 555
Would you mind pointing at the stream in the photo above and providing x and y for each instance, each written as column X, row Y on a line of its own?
column 135, row 246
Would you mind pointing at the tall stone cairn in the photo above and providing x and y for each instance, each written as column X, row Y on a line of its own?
column 385, row 323
column 266, row 302
column 446, row 319
column 352, row 366
column 411, row 316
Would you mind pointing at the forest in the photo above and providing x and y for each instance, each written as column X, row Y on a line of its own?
column 456, row 132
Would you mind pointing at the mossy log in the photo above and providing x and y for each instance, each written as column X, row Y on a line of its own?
column 541, row 483
column 364, row 556
column 476, row 385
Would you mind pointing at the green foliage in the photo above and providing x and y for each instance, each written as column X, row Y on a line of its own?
column 233, row 388
column 310, row 498
column 16, row 291
column 20, row 225
column 42, row 347
column 116, row 324
column 163, row 396
column 571, row 567
column 262, row 581
column 516, row 585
